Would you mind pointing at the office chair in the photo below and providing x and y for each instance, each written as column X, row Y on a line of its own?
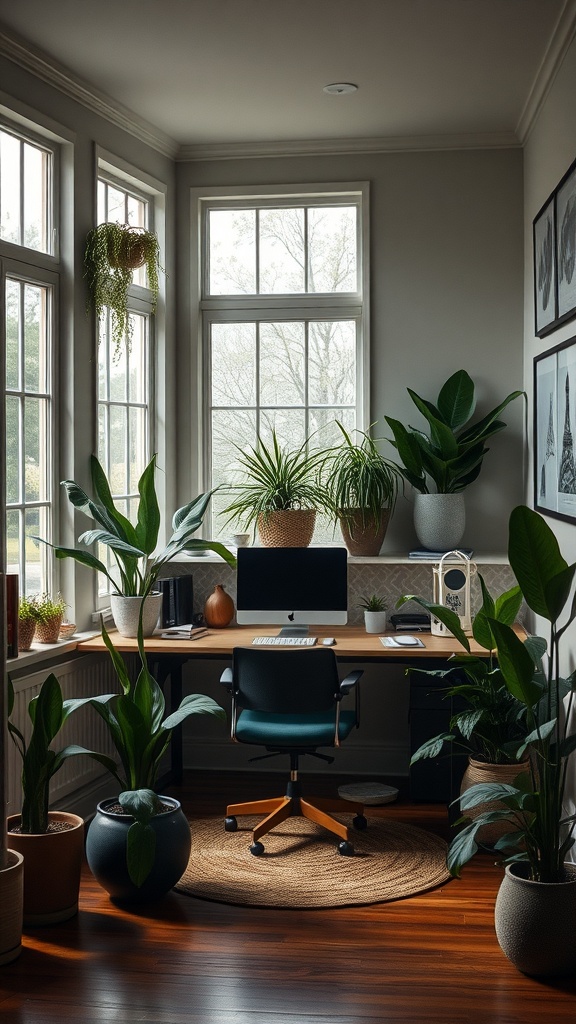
column 289, row 702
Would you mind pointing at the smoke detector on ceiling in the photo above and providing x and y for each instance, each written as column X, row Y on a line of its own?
column 338, row 88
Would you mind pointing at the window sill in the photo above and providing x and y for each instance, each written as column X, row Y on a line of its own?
column 40, row 654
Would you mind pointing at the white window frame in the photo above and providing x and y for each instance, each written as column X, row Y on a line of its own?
column 304, row 306
column 43, row 269
column 118, row 173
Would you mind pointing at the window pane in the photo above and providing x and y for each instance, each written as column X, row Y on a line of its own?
column 35, row 443
column 138, row 446
column 234, row 364
column 230, row 428
column 35, row 234
column 12, row 333
column 332, row 362
column 10, row 187
column 282, row 363
column 13, row 541
column 282, row 251
column 118, row 478
column 116, row 206
column 36, row 572
column 332, row 248
column 35, row 341
column 12, row 450
column 289, row 425
column 232, row 253
column 137, row 379
column 117, row 380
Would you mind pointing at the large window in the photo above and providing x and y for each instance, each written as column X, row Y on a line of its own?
column 284, row 323
column 124, row 385
column 29, row 280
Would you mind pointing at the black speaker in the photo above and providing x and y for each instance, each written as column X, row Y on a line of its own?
column 177, row 601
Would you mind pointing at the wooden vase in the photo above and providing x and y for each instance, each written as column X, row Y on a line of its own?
column 219, row 608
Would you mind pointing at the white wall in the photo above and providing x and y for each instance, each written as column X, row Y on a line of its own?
column 446, row 272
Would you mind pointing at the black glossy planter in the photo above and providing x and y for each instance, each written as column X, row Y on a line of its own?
column 106, row 852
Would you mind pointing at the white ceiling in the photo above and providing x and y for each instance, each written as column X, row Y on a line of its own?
column 219, row 73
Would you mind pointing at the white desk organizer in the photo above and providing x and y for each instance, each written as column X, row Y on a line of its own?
column 451, row 587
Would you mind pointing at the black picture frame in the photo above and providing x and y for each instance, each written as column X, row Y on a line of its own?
column 555, row 431
column 565, row 201
column 545, row 269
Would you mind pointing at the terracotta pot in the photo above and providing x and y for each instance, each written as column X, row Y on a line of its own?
column 219, row 608
column 48, row 632
column 11, row 898
column 287, row 528
column 26, row 630
column 535, row 922
column 482, row 772
column 52, row 865
column 362, row 534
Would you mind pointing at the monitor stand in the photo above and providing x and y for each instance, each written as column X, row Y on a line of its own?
column 294, row 631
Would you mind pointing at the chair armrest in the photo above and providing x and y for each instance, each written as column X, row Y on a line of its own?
column 350, row 681
column 227, row 679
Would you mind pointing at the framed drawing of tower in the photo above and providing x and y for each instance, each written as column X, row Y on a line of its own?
column 555, row 431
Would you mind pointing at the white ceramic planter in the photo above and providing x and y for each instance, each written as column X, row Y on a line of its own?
column 126, row 613
column 439, row 520
column 375, row 622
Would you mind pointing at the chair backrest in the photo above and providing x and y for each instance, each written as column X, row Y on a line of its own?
column 285, row 682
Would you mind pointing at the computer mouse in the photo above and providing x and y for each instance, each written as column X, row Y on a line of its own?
column 406, row 641
column 328, row 641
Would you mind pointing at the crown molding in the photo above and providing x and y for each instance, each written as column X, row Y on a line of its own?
column 50, row 71
column 550, row 65
column 343, row 147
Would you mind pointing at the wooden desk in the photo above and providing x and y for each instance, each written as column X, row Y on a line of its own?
column 429, row 711
column 352, row 643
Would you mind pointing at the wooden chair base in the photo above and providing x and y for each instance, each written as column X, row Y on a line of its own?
column 278, row 809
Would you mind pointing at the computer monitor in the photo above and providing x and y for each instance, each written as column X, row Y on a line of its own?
column 292, row 587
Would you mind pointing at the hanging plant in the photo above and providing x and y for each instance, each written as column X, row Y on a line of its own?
column 113, row 252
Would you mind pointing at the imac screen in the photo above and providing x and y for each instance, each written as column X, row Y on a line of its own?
column 292, row 586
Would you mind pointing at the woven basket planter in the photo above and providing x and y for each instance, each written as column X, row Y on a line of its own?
column 48, row 632
column 26, row 630
column 480, row 771
column 362, row 534
column 287, row 528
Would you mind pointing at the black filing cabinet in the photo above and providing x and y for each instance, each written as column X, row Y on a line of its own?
column 432, row 780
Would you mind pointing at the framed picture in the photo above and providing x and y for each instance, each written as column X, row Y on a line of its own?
column 545, row 263
column 566, row 245
column 555, row 431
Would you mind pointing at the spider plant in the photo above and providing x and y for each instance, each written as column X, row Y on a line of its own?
column 359, row 477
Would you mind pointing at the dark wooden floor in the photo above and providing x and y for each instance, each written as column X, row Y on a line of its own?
column 431, row 959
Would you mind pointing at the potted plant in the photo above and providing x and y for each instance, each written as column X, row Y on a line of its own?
column 374, row 613
column 49, row 612
column 363, row 487
column 51, row 842
column 133, row 546
column 112, row 253
column 447, row 459
column 26, row 622
column 138, row 844
column 536, row 904
column 488, row 723
column 282, row 492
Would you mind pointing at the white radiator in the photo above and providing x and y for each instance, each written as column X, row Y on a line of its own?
column 81, row 782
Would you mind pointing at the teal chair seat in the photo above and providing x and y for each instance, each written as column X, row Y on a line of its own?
column 289, row 702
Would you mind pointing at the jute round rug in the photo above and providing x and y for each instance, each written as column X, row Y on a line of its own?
column 302, row 868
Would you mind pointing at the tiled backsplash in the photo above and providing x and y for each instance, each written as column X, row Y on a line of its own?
column 390, row 580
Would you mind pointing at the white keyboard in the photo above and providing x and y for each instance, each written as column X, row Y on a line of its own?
column 284, row 641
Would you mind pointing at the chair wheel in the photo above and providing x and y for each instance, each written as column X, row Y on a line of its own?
column 360, row 822
column 345, row 849
column 257, row 849
column 230, row 824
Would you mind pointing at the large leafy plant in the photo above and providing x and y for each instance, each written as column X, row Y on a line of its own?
column 141, row 734
column 277, row 479
column 133, row 546
column 488, row 725
column 449, row 457
column 48, row 713
column 539, row 834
